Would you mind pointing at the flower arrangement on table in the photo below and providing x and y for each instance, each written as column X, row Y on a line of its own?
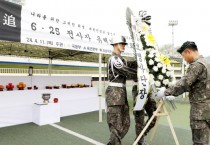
column 64, row 85
column 10, row 87
column 48, row 87
column 82, row 85
column 74, row 85
column 56, row 87
column 29, row 88
column 21, row 86
column 35, row 87
column 1, row 87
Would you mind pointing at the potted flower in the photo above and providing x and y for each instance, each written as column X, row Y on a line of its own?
column 63, row 85
column 75, row 85
column 56, row 87
column 48, row 87
column 1, row 87
column 81, row 85
column 29, row 88
column 35, row 87
column 10, row 87
column 55, row 100
column 68, row 86
column 21, row 86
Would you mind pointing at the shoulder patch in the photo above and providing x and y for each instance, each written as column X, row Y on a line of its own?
column 117, row 62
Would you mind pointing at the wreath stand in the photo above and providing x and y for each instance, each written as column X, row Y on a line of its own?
column 160, row 111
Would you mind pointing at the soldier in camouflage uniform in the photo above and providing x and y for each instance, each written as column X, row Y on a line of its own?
column 197, row 82
column 149, row 107
column 118, row 117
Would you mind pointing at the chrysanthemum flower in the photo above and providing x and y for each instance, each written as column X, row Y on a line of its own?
column 151, row 62
column 151, row 55
column 155, row 68
column 168, row 73
column 165, row 60
column 157, row 83
column 160, row 77
column 159, row 65
column 166, row 82
column 150, row 40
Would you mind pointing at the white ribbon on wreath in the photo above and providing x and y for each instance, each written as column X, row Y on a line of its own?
column 142, row 70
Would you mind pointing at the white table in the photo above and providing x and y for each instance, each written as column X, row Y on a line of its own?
column 46, row 114
column 17, row 106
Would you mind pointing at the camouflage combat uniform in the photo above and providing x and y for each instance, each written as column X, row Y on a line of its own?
column 118, row 118
column 149, row 107
column 197, row 83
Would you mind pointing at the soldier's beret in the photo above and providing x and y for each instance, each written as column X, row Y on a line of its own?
column 187, row 44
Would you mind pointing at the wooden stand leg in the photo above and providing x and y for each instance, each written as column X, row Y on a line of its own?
column 154, row 129
column 171, row 127
column 160, row 111
column 148, row 123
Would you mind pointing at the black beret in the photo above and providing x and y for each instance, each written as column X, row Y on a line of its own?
column 187, row 44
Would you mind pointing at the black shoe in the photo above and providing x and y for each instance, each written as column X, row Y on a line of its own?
column 109, row 143
column 143, row 143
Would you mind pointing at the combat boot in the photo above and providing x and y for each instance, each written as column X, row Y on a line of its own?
column 109, row 143
column 143, row 143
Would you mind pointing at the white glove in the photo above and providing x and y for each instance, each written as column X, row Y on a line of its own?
column 172, row 83
column 160, row 93
column 170, row 98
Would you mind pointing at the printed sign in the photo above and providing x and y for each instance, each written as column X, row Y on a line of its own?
column 17, row 23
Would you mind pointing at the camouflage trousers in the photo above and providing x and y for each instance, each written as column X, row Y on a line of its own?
column 200, row 132
column 118, row 120
column 139, row 116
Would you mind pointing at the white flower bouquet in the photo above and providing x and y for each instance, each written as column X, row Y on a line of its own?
column 159, row 65
column 159, row 68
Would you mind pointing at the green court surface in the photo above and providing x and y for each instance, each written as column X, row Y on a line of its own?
column 87, row 125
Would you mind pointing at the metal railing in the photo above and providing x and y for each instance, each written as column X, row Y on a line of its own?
column 23, row 71
column 46, row 71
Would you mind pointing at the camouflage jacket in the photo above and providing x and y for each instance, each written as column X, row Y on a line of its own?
column 118, row 71
column 196, row 83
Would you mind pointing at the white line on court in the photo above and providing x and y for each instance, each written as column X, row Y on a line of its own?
column 77, row 134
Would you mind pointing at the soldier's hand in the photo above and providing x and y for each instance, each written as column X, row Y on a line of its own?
column 160, row 93
column 170, row 98
column 172, row 83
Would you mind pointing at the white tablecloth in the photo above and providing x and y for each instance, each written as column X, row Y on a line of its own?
column 17, row 106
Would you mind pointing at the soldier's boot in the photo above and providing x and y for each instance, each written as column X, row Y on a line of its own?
column 143, row 143
column 109, row 143
column 208, row 122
